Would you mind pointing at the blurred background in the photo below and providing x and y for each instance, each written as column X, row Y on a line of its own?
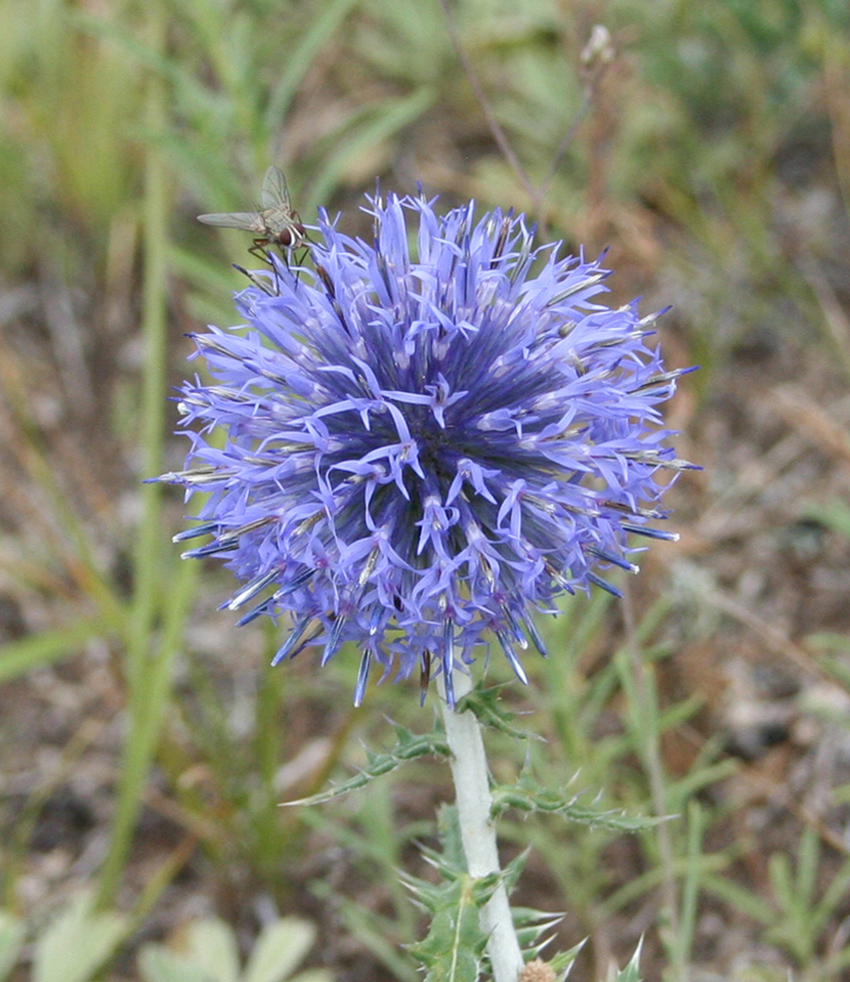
column 145, row 745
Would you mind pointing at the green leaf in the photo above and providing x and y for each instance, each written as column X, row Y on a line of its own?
column 528, row 799
column 631, row 973
column 409, row 747
column 20, row 656
column 279, row 949
column 12, row 933
column 454, row 947
column 314, row 975
column 77, row 943
column 531, row 925
column 211, row 945
column 562, row 963
column 455, row 943
column 330, row 15
column 376, row 124
column 157, row 963
column 739, row 897
column 485, row 704
column 452, row 858
column 834, row 515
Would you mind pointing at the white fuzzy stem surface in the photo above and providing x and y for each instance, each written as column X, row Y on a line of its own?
column 478, row 834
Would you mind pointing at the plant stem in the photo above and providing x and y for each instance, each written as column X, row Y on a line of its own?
column 650, row 751
column 478, row 834
column 148, row 663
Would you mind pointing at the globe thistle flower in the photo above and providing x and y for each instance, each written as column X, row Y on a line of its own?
column 427, row 439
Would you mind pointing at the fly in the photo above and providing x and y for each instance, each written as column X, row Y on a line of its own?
column 276, row 223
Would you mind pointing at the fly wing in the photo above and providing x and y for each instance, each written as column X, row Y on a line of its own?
column 249, row 221
column 275, row 193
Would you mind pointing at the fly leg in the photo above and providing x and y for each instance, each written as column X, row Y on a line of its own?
column 260, row 251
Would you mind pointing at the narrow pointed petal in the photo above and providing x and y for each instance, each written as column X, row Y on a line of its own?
column 288, row 646
column 362, row 677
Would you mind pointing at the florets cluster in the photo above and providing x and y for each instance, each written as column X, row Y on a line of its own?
column 426, row 438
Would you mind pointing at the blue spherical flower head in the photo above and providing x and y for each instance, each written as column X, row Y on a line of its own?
column 427, row 438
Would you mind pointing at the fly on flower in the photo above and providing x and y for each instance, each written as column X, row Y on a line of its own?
column 276, row 223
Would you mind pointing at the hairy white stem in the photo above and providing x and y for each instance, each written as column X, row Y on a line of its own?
column 478, row 834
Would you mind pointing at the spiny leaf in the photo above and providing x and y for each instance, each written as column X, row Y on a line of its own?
column 563, row 962
column 451, row 861
column 530, row 799
column 631, row 973
column 454, row 946
column 511, row 873
column 530, row 925
column 455, row 943
column 556, row 969
column 485, row 704
column 409, row 747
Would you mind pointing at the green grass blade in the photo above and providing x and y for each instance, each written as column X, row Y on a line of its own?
column 299, row 59
column 384, row 122
column 148, row 665
column 20, row 657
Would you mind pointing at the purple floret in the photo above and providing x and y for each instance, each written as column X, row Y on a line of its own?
column 423, row 449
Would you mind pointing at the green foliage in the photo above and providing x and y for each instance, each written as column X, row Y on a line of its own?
column 64, row 103
column 834, row 515
column 804, row 914
column 371, row 832
column 77, row 943
column 73, row 947
column 208, row 952
column 529, row 797
column 454, row 946
column 453, row 949
column 532, row 926
column 486, row 703
column 12, row 933
column 409, row 746
column 631, row 973
column 800, row 907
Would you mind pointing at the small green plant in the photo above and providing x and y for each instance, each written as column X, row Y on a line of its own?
column 11, row 941
column 804, row 910
column 207, row 951
column 73, row 947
